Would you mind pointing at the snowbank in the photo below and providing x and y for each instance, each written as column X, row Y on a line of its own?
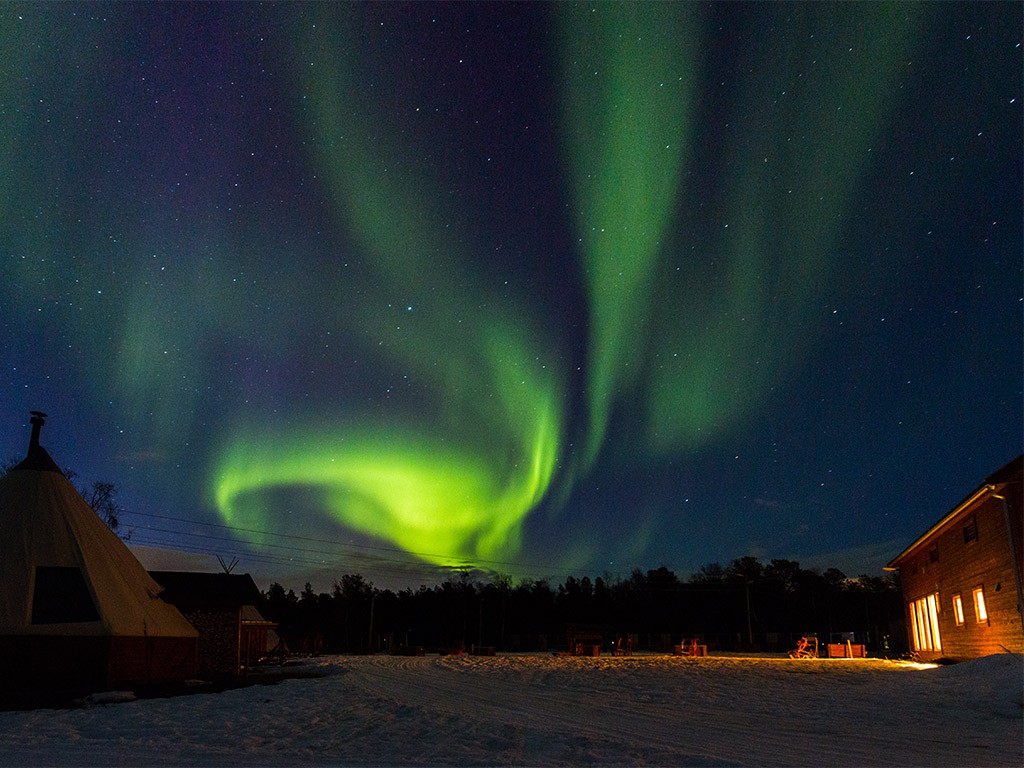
column 542, row 710
column 996, row 682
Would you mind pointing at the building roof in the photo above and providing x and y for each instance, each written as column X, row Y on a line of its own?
column 991, row 485
column 251, row 616
column 188, row 589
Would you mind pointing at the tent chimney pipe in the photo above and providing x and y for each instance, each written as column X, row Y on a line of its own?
column 37, row 421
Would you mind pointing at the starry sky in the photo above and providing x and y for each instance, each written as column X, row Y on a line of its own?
column 531, row 288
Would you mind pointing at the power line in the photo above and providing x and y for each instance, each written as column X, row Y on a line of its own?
column 410, row 568
column 365, row 564
column 455, row 560
column 260, row 544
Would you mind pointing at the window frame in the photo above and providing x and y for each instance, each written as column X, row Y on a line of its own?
column 924, row 622
column 970, row 528
column 980, row 607
column 958, row 610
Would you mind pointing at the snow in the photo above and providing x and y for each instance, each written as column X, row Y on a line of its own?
column 546, row 710
column 108, row 697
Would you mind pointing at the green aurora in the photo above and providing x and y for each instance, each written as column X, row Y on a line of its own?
column 438, row 489
column 628, row 74
column 804, row 144
column 485, row 451
column 523, row 286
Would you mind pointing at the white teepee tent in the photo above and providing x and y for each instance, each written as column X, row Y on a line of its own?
column 77, row 609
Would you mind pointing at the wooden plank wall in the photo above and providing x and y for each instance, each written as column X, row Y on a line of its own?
column 960, row 567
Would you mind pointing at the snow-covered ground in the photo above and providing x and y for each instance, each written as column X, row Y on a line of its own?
column 543, row 710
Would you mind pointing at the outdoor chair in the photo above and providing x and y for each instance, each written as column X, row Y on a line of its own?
column 806, row 648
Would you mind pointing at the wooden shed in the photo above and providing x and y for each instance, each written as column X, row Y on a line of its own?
column 962, row 578
column 222, row 606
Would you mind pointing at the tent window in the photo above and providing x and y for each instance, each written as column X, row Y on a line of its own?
column 61, row 596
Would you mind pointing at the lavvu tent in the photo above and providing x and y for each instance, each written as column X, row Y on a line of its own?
column 77, row 609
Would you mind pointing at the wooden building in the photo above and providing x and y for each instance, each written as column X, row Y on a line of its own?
column 232, row 633
column 962, row 579
column 258, row 638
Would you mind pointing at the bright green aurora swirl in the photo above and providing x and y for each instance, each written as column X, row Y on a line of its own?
column 455, row 479
column 454, row 483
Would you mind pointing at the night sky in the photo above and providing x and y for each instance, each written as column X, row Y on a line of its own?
column 537, row 289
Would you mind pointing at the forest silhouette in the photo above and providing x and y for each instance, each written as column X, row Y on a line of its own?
column 745, row 606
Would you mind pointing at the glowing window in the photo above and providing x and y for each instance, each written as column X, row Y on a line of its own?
column 979, row 605
column 958, row 610
column 924, row 623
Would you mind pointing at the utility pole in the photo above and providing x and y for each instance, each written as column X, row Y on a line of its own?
column 750, row 630
column 369, row 640
column 480, row 626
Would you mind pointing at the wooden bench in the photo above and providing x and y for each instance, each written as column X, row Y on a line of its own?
column 846, row 651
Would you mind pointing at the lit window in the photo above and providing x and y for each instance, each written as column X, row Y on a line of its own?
column 958, row 610
column 924, row 623
column 979, row 604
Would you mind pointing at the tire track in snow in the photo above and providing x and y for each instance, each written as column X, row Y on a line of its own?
column 717, row 711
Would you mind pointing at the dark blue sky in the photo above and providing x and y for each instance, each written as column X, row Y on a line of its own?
column 545, row 289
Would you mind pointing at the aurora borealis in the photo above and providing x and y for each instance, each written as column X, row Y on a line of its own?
column 530, row 288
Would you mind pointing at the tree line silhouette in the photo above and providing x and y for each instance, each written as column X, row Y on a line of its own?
column 746, row 605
